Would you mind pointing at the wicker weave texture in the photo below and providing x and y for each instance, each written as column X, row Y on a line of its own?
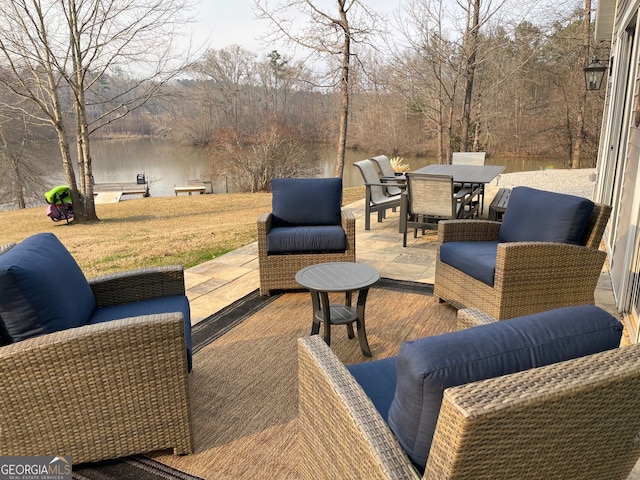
column 341, row 434
column 136, row 285
column 277, row 272
column 99, row 391
column 570, row 420
column 530, row 277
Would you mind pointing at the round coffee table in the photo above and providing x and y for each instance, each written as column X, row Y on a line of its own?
column 323, row 278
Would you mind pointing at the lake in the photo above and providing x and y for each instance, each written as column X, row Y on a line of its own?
column 167, row 165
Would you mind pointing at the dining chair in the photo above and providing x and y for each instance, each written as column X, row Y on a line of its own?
column 388, row 174
column 377, row 198
column 430, row 198
column 471, row 158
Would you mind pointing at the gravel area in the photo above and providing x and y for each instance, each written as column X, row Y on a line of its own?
column 579, row 182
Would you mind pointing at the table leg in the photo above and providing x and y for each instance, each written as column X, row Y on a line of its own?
column 362, row 333
column 347, row 301
column 326, row 316
column 315, row 307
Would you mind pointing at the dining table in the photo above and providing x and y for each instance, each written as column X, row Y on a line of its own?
column 466, row 174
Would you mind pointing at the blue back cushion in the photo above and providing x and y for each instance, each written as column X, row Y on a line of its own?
column 476, row 259
column 540, row 216
column 306, row 201
column 378, row 380
column 428, row 366
column 43, row 289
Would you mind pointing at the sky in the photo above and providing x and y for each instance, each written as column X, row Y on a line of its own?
column 221, row 23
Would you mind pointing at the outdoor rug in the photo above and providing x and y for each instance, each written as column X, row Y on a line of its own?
column 244, row 380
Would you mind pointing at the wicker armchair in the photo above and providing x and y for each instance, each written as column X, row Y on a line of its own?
column 570, row 420
column 278, row 270
column 106, row 389
column 530, row 277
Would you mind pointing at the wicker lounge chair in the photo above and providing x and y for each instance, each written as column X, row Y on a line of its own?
column 575, row 419
column 530, row 276
column 278, row 269
column 376, row 196
column 101, row 390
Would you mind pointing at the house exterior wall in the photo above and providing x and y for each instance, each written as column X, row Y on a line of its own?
column 618, row 181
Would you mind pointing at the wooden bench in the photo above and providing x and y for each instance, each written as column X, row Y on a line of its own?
column 192, row 186
column 499, row 204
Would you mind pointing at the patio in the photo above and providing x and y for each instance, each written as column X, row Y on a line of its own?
column 217, row 283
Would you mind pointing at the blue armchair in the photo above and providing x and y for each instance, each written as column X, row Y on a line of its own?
column 545, row 254
column 92, row 369
column 538, row 396
column 306, row 226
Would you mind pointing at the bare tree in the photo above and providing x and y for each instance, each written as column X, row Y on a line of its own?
column 23, row 177
column 328, row 35
column 56, row 52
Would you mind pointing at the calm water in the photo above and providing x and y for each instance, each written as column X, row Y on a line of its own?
column 167, row 165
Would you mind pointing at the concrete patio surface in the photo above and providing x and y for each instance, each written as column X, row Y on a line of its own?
column 217, row 283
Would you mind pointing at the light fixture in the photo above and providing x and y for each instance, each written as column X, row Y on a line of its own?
column 594, row 74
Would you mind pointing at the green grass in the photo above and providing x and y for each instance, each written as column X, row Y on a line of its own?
column 143, row 232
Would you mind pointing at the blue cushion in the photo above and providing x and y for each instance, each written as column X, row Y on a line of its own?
column 540, row 216
column 168, row 304
column 428, row 366
column 43, row 289
column 306, row 201
column 476, row 259
column 331, row 238
column 378, row 380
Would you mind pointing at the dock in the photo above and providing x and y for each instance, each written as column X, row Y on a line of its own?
column 112, row 192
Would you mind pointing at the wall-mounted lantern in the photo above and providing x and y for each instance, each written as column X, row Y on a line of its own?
column 594, row 74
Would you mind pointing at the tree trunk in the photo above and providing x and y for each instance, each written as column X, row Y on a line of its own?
column 576, row 150
column 344, row 92
column 471, row 49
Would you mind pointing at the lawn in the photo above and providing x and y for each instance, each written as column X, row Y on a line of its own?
column 142, row 232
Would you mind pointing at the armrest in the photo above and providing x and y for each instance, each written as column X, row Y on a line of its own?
column 348, row 220
column 467, row 231
column 542, row 259
column 550, row 266
column 493, row 425
column 136, row 285
column 342, row 435
column 472, row 317
column 77, row 390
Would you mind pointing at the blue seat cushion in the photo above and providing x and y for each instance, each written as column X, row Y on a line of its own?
column 476, row 259
column 306, row 239
column 154, row 306
column 378, row 380
column 540, row 216
column 43, row 289
column 428, row 366
column 306, row 201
